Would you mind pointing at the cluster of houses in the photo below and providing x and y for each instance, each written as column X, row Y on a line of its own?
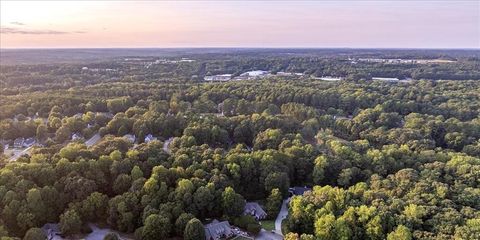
column 250, row 75
column 132, row 138
column 166, row 61
column 23, row 142
column 223, row 230
column 259, row 74
column 218, row 230
column 99, row 69
column 218, row 78
column 401, row 61
column 394, row 80
column 290, row 74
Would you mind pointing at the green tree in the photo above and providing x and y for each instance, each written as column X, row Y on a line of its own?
column 42, row 132
column 70, row 222
column 136, row 173
column 194, row 230
column 274, row 202
column 35, row 234
column 156, row 227
column 277, row 180
column 111, row 236
column 181, row 222
column 122, row 183
column 62, row 134
column 204, row 200
column 471, row 230
column 400, row 233
column 324, row 227
column 232, row 202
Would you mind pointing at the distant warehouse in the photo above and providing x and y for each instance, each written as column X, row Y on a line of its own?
column 220, row 77
column 385, row 79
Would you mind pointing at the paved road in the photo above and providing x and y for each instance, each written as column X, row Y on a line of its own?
column 266, row 235
column 18, row 153
column 281, row 215
column 94, row 139
column 165, row 145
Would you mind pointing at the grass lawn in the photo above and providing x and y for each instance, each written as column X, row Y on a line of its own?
column 268, row 225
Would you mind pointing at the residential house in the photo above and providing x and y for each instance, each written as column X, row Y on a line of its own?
column 76, row 136
column 52, row 231
column 298, row 191
column 218, row 230
column 18, row 143
column 149, row 138
column 29, row 142
column 254, row 209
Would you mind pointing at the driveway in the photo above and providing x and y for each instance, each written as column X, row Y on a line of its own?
column 281, row 215
column 94, row 139
column 266, row 235
column 18, row 153
column 165, row 145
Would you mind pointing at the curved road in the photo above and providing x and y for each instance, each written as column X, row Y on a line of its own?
column 93, row 140
column 18, row 153
column 281, row 215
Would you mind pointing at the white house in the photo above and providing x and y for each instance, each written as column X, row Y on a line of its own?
column 149, row 138
column 76, row 136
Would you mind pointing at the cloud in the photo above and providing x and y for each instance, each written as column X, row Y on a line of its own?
column 17, row 23
column 11, row 30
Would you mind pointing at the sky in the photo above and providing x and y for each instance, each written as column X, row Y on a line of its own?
column 272, row 24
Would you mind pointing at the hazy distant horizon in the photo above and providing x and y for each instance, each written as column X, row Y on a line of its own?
column 353, row 24
column 253, row 48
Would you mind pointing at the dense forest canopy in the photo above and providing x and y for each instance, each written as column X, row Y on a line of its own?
column 384, row 160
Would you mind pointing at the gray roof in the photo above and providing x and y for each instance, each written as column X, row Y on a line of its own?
column 217, row 230
column 299, row 190
column 254, row 209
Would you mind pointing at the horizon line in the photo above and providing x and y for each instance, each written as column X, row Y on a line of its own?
column 242, row 47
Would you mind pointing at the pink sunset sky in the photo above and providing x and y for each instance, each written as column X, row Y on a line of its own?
column 363, row 24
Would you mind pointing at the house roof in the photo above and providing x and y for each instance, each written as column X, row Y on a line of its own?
column 254, row 208
column 29, row 141
column 216, row 229
column 299, row 190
